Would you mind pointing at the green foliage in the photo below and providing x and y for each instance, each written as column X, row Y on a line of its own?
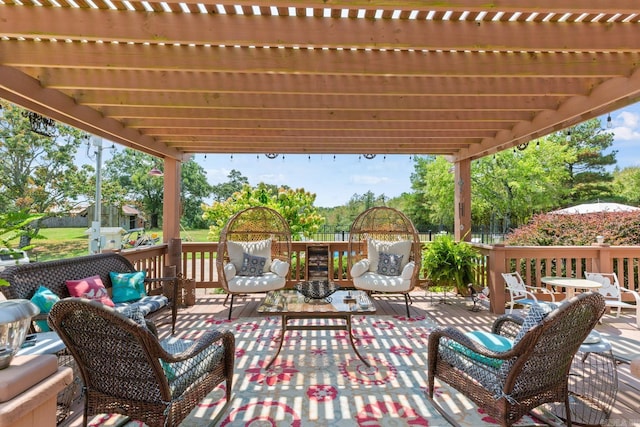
column 296, row 206
column 447, row 262
column 15, row 225
column 38, row 172
column 587, row 177
column 225, row 190
column 434, row 192
column 194, row 188
column 626, row 183
column 510, row 187
column 618, row 228
column 127, row 181
column 340, row 218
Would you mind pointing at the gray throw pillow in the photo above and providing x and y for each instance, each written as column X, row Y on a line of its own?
column 252, row 265
column 389, row 264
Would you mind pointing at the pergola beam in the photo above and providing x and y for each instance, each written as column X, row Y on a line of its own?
column 107, row 26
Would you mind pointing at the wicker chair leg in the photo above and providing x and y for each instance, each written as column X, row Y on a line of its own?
column 567, row 410
column 441, row 410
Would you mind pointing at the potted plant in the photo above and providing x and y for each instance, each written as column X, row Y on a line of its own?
column 446, row 262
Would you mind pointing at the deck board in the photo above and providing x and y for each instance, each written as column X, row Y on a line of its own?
column 456, row 313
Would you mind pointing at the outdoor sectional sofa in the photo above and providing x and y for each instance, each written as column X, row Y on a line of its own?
column 25, row 280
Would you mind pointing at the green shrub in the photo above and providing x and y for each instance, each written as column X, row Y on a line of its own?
column 446, row 262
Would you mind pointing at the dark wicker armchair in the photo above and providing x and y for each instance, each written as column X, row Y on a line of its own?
column 384, row 229
column 126, row 370
column 510, row 383
column 257, row 231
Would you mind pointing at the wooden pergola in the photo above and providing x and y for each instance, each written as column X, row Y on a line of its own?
column 461, row 78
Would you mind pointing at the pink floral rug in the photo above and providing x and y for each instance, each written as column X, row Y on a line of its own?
column 317, row 380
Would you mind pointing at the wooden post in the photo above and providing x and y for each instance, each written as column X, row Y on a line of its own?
column 462, row 208
column 175, row 254
column 496, row 267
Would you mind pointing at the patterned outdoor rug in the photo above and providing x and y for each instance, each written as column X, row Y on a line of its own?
column 317, row 380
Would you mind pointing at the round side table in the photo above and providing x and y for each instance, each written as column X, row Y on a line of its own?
column 593, row 383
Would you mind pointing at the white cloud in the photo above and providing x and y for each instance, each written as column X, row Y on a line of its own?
column 629, row 129
column 368, row 179
column 629, row 119
column 216, row 176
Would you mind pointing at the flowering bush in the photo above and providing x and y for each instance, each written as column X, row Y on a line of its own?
column 617, row 228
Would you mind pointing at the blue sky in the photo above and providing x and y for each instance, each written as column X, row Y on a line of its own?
column 335, row 181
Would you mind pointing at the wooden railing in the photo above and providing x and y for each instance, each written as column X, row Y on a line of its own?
column 532, row 262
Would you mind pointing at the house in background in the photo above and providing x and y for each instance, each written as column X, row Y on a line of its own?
column 128, row 217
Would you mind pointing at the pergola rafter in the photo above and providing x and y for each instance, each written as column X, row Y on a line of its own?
column 459, row 78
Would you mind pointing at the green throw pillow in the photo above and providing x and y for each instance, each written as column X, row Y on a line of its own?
column 127, row 286
column 44, row 298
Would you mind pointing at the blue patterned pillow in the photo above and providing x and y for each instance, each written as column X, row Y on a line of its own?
column 44, row 298
column 389, row 264
column 134, row 313
column 252, row 265
column 127, row 286
column 537, row 314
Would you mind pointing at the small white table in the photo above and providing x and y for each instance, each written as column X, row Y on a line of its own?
column 46, row 343
column 570, row 284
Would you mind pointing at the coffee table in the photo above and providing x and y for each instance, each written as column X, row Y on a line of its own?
column 291, row 305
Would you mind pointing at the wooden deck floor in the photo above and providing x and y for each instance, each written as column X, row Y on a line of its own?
column 456, row 312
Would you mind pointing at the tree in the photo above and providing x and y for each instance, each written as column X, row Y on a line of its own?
column 37, row 172
column 588, row 179
column 626, row 185
column 510, row 187
column 506, row 188
column 127, row 180
column 225, row 190
column 194, row 188
column 296, row 206
column 432, row 182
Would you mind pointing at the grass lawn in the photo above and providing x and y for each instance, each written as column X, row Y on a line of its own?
column 73, row 242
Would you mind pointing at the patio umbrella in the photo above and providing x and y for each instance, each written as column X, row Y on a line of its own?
column 596, row 207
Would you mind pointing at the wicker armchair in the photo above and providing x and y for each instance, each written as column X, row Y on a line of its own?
column 260, row 232
column 531, row 369
column 383, row 229
column 126, row 370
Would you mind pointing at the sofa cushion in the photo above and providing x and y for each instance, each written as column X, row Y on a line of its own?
column 250, row 284
column 90, row 288
column 127, row 286
column 237, row 250
column 147, row 304
column 374, row 247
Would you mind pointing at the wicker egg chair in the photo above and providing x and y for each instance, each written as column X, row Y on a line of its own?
column 251, row 234
column 384, row 230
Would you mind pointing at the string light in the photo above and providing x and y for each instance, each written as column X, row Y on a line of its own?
column 568, row 136
column 609, row 122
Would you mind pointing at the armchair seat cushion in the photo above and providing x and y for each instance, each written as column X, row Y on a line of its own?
column 493, row 342
column 369, row 281
column 250, row 284
column 380, row 283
